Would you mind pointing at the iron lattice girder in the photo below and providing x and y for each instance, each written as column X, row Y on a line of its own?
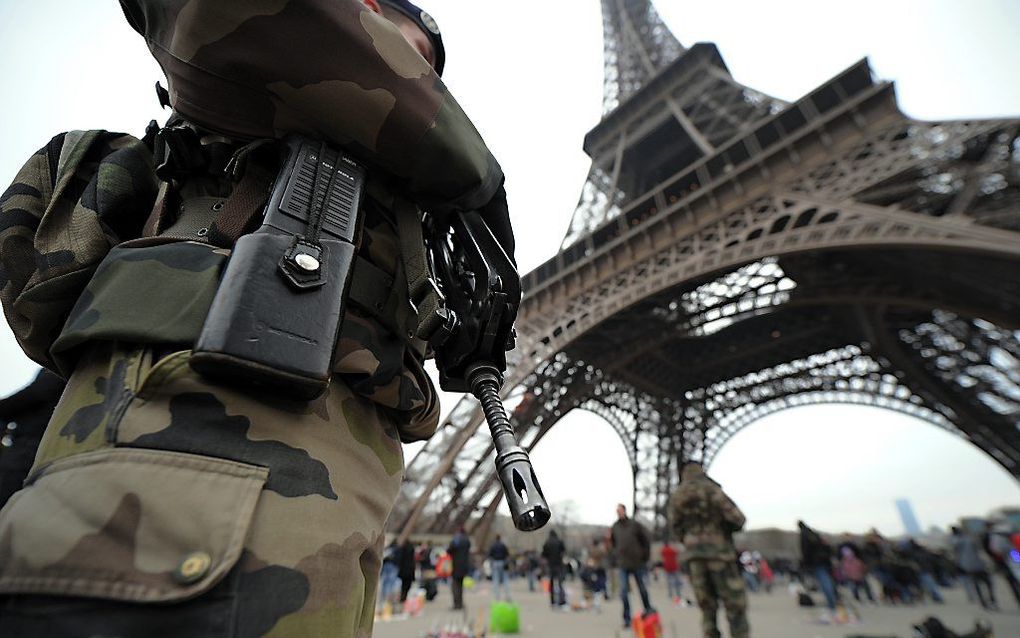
column 836, row 222
column 697, row 97
column 637, row 45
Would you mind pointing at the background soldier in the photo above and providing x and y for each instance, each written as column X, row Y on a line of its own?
column 705, row 518
column 161, row 503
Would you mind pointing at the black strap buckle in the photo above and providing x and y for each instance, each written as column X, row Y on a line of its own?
column 178, row 152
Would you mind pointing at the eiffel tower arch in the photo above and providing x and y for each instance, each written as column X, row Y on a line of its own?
column 733, row 255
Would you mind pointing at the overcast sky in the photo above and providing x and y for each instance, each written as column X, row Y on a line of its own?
column 530, row 75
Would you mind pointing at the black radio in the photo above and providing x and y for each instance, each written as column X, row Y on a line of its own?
column 276, row 316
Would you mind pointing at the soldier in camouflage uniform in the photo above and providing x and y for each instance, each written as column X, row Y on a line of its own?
column 161, row 504
column 705, row 519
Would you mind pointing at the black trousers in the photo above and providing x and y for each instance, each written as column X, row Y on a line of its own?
column 405, row 587
column 457, row 588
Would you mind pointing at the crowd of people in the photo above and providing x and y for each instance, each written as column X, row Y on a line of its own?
column 907, row 572
column 835, row 572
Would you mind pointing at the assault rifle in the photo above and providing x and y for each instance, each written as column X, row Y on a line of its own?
column 480, row 291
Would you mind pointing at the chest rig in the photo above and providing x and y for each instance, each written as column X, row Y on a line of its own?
column 291, row 212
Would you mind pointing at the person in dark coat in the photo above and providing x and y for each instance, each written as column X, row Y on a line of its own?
column 553, row 552
column 460, row 553
column 633, row 549
column 816, row 560
column 23, row 418
column 498, row 556
column 405, row 568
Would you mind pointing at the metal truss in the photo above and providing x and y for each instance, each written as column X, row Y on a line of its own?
column 708, row 105
column 637, row 45
column 733, row 256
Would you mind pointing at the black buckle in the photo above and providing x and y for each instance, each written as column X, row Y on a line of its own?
column 178, row 152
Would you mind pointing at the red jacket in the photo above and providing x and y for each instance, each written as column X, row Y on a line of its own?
column 669, row 559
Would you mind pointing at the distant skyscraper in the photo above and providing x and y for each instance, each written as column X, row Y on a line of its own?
column 908, row 517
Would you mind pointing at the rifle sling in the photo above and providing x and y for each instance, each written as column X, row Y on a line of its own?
column 382, row 296
column 424, row 319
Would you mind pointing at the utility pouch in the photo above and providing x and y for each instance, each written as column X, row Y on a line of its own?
column 276, row 316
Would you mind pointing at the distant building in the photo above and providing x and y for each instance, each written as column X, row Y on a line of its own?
column 906, row 510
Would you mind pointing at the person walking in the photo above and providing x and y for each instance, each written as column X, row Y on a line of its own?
column 925, row 561
column 597, row 569
column 460, row 555
column 705, row 518
column 816, row 560
column 670, row 565
column 966, row 553
column 875, row 553
column 389, row 578
column 633, row 549
column 531, row 564
column 999, row 546
column 552, row 552
column 854, row 573
column 612, row 567
column 405, row 568
column 498, row 555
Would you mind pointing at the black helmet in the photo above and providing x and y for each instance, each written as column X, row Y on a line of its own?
column 426, row 23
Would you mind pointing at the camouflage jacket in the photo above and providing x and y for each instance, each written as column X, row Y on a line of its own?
column 704, row 517
column 70, row 274
column 330, row 69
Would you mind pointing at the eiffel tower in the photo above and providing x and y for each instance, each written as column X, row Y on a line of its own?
column 733, row 255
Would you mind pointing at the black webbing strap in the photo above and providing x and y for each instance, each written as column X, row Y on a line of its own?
column 248, row 198
column 424, row 320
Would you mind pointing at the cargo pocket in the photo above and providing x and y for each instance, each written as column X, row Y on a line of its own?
column 129, row 525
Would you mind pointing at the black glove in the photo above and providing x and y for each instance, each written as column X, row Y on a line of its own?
column 497, row 215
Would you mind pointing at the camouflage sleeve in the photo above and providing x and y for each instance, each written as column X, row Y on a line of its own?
column 73, row 200
column 676, row 519
column 728, row 509
column 331, row 69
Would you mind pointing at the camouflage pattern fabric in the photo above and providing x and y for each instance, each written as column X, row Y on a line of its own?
column 703, row 517
column 717, row 582
column 162, row 504
column 331, row 69
column 241, row 516
column 78, row 196
column 286, row 536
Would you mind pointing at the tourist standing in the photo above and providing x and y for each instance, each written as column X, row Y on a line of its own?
column 498, row 554
column 633, row 549
column 597, row 570
column 405, row 568
column 966, row 553
column 531, row 564
column 816, row 560
column 999, row 545
column 460, row 554
column 854, row 572
column 553, row 552
column 671, row 566
column 705, row 518
column 389, row 577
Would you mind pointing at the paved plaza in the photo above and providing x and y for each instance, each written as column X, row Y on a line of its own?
column 774, row 615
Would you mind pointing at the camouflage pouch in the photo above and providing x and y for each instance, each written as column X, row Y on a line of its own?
column 77, row 197
column 126, row 537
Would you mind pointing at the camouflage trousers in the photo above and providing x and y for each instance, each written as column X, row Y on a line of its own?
column 162, row 505
column 717, row 582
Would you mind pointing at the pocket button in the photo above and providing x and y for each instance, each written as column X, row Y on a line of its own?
column 192, row 568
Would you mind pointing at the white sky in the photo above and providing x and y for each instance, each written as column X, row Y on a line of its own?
column 530, row 75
